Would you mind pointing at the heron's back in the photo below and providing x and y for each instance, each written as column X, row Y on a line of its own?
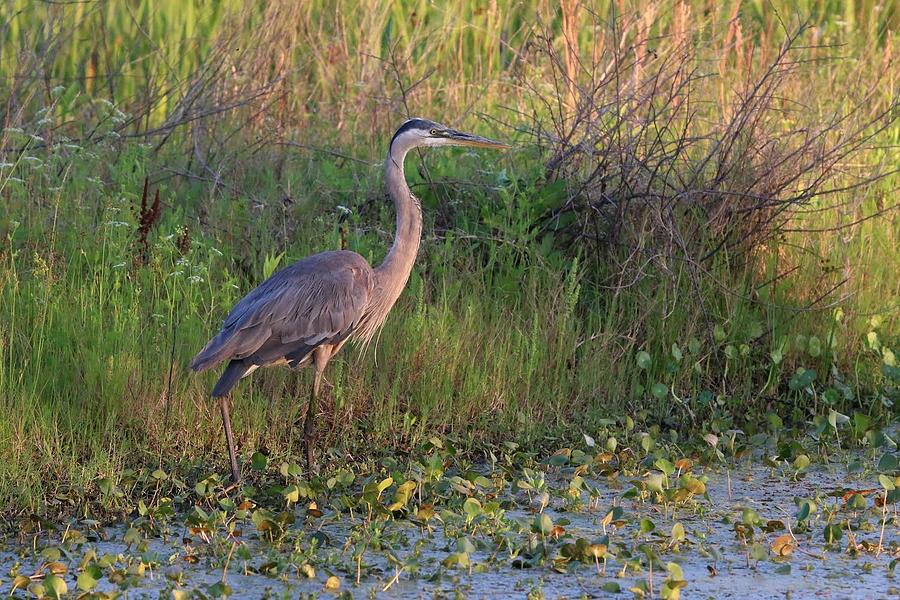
column 317, row 300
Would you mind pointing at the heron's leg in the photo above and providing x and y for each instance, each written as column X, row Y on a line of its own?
column 226, row 421
column 309, row 427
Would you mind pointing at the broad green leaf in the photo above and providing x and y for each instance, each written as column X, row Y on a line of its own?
column 693, row 345
column 291, row 494
column 86, row 582
column 258, row 461
column 402, row 495
column 814, row 347
column 806, row 508
column 872, row 339
column 664, row 465
column 802, row 379
column 55, row 586
column 220, row 589
column 543, row 524
column 659, row 390
column 833, row 533
column 755, row 330
column 719, row 333
column 801, row 462
column 750, row 517
column 888, row 357
column 675, row 571
column 643, row 360
column 887, row 463
column 758, row 552
column 647, row 525
column 472, row 508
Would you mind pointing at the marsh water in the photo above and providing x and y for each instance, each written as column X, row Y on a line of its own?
column 410, row 561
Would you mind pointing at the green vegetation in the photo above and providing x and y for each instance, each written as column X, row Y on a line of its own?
column 552, row 298
column 605, row 516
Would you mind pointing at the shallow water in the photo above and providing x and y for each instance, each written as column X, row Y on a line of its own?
column 715, row 563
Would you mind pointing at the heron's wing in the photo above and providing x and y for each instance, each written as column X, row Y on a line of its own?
column 314, row 301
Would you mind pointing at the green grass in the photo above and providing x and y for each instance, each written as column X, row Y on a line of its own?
column 501, row 334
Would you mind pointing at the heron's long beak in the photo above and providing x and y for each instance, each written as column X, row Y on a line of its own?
column 458, row 138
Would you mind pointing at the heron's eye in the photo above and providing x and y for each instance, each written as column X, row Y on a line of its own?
column 433, row 132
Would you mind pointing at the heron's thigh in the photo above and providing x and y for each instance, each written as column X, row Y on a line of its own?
column 321, row 355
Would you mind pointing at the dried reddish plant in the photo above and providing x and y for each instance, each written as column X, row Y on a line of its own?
column 148, row 216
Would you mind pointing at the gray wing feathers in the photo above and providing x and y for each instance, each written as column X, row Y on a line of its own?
column 311, row 302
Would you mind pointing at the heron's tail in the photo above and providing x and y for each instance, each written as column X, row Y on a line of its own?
column 232, row 374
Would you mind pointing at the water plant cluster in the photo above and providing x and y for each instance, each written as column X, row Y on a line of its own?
column 635, row 515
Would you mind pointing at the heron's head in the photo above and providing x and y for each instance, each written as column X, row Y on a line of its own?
column 422, row 132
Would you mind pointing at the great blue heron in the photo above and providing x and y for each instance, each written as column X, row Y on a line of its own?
column 306, row 312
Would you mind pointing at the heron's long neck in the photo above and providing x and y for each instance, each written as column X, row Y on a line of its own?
column 393, row 273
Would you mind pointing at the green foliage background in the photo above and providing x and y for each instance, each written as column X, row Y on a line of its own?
column 501, row 333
